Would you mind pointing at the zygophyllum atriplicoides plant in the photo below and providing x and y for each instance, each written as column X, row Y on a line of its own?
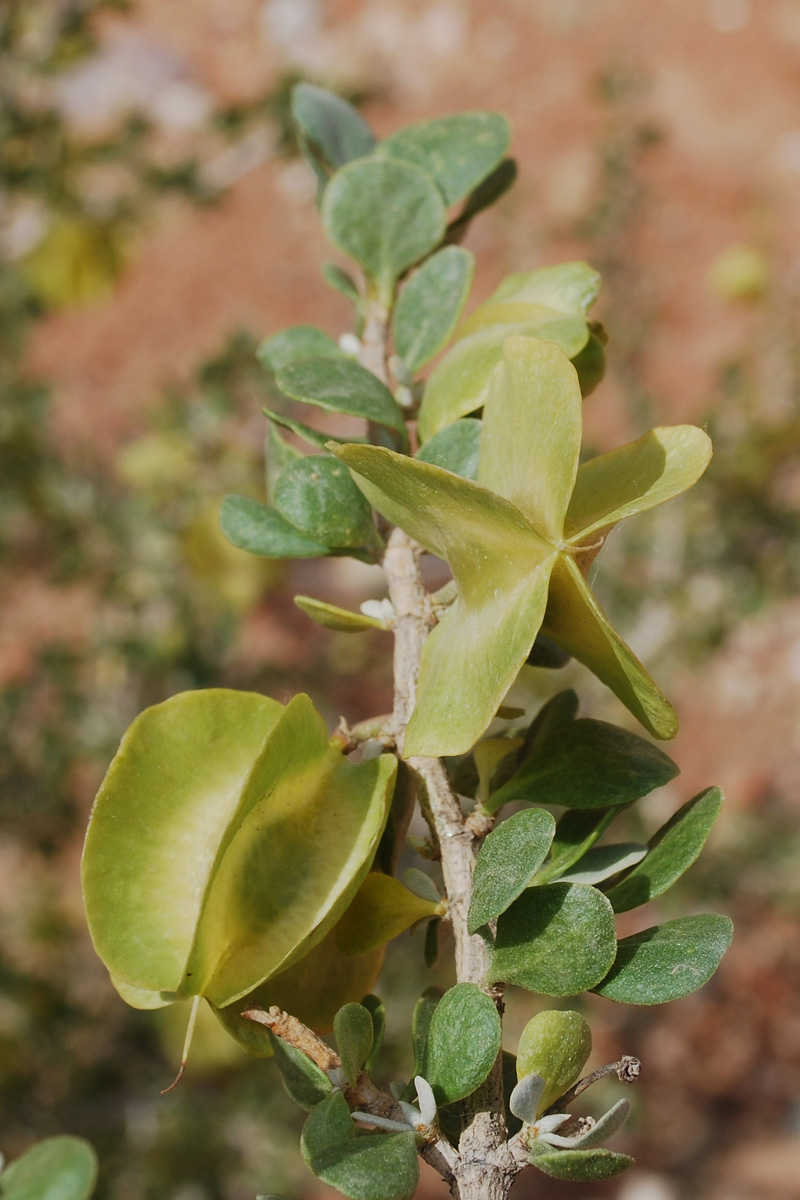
column 240, row 853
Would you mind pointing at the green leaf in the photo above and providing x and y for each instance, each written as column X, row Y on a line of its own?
column 59, row 1168
column 342, row 282
column 421, row 1023
column 387, row 215
column 318, row 497
column 455, row 448
column 555, row 1044
column 381, row 910
column 330, row 124
column 588, row 764
column 558, row 940
column 332, row 617
column 278, row 453
column 329, row 1125
column 294, row 345
column 549, row 304
column 578, row 1166
column 463, row 1042
column 313, row 989
column 354, row 1033
column 508, row 860
column 191, row 818
column 341, row 385
column 459, row 151
column 667, row 961
column 605, row 861
column 305, row 1082
column 496, row 613
column 577, row 623
column 377, row 1010
column 261, row 530
column 484, row 196
column 670, row 852
column 536, row 474
column 431, row 304
column 590, row 362
column 314, row 437
column 546, row 654
column 374, row 1166
column 561, row 709
column 488, row 755
column 576, row 832
column 634, row 478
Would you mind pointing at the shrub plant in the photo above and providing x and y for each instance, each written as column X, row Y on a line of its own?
column 242, row 855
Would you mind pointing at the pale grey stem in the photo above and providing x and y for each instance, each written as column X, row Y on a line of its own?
column 484, row 1167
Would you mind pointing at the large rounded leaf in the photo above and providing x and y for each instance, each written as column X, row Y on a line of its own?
column 387, row 215
column 60, row 1168
column 227, row 838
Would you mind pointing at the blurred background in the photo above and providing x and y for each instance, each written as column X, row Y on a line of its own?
column 155, row 224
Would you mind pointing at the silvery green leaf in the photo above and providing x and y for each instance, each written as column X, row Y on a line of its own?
column 524, row 1100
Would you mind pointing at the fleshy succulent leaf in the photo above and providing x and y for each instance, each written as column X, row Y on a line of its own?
column 352, row 1027
column 431, row 304
column 508, row 860
column 458, row 151
column 59, row 1168
column 463, row 1042
column 578, row 1166
column 555, row 1044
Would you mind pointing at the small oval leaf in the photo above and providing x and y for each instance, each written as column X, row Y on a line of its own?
column 385, row 214
column 459, row 151
column 556, row 1045
column 508, row 860
column 455, row 448
column 341, row 619
column 341, row 385
column 557, row 940
column 295, row 344
column 578, row 1166
column 352, row 1027
column 670, row 852
column 667, row 961
column 431, row 304
column 259, row 529
column 317, row 496
column 59, row 1168
column 463, row 1043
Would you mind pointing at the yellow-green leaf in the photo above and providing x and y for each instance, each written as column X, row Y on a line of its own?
column 531, row 435
column 341, row 619
column 555, row 1044
column 227, row 838
column 577, row 623
column 382, row 909
column 629, row 480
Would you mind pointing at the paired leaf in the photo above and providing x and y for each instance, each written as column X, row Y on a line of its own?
column 667, row 961
column 604, row 862
column 209, row 794
column 341, row 385
column 354, row 1033
column 588, row 764
column 318, row 497
column 59, row 1168
column 305, row 1082
column 371, row 1166
column 458, row 151
column 576, row 833
column 421, row 1023
column 455, row 448
column 377, row 1010
column 385, row 214
column 578, row 1166
column 508, row 860
column 558, row 940
column 555, row 1044
column 262, row 530
column 670, row 852
column 549, row 304
column 332, row 617
column 329, row 125
column 463, row 1043
column 294, row 345
column 431, row 304
column 381, row 910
